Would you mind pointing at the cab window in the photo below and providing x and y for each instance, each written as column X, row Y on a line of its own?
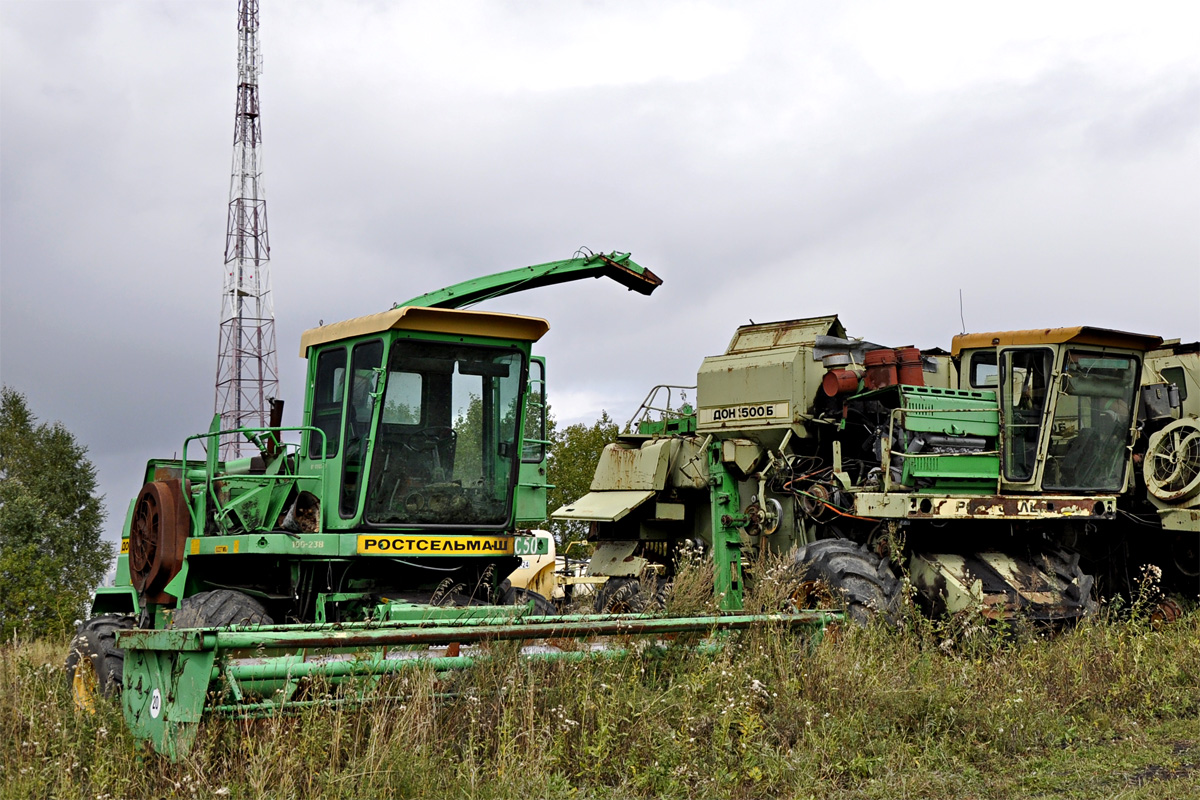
column 329, row 388
column 1089, row 438
column 533, row 450
column 985, row 372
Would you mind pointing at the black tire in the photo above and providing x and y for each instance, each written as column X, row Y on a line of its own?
column 542, row 607
column 626, row 596
column 220, row 608
column 95, row 665
column 857, row 578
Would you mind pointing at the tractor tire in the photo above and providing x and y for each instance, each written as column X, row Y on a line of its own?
column 859, row 580
column 626, row 596
column 518, row 597
column 220, row 608
column 95, row 664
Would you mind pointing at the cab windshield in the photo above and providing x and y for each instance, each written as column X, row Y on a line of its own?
column 1089, row 437
column 446, row 450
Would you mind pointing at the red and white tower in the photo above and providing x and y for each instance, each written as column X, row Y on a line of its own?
column 247, row 366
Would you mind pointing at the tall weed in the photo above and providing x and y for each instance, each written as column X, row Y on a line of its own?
column 922, row 709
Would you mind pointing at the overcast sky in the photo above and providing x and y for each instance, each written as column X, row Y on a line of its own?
column 767, row 160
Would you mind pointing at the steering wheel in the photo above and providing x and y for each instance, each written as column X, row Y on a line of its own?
column 432, row 437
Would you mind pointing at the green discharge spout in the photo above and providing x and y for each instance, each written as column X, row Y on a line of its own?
column 617, row 266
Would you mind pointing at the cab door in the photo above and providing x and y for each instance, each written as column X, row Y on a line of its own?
column 1026, row 379
column 532, row 481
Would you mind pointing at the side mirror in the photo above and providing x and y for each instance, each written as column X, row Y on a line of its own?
column 1160, row 401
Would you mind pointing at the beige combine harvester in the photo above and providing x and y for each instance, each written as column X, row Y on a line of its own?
column 1021, row 473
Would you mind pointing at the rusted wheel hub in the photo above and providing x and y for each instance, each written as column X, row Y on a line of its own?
column 1166, row 612
column 815, row 500
column 157, row 533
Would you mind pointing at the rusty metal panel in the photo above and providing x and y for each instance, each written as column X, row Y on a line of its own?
column 1007, row 507
column 761, row 391
column 1003, row 586
column 787, row 333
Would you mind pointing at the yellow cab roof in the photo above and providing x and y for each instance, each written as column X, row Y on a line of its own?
column 1083, row 334
column 430, row 320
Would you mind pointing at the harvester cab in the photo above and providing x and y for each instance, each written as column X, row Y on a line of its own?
column 1005, row 477
column 406, row 475
column 1067, row 399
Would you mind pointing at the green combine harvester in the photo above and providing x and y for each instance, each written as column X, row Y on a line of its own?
column 371, row 538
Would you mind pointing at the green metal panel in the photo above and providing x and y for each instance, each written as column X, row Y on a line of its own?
column 317, row 545
column 978, row 468
column 727, row 522
column 668, row 427
column 164, row 694
column 532, row 482
column 115, row 599
column 953, row 412
column 532, row 491
column 950, row 412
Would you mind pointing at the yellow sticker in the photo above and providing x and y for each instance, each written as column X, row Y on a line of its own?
column 436, row 545
column 237, row 543
column 124, row 547
column 195, row 547
column 221, row 548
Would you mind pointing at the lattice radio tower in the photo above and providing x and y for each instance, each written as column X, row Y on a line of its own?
column 247, row 366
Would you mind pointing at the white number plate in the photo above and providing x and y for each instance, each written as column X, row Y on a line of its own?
column 736, row 415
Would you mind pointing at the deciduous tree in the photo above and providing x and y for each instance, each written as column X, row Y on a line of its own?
column 574, row 452
column 51, row 553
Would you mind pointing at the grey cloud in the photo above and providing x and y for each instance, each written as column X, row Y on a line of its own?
column 802, row 179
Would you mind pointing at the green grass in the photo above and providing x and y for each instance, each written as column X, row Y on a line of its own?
column 1108, row 709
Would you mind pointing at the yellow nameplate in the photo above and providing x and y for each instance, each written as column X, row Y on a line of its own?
column 435, row 545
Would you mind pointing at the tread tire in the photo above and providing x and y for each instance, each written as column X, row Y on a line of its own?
column 220, row 608
column 95, row 665
column 624, row 595
column 861, row 580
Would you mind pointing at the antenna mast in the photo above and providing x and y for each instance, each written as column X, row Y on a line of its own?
column 247, row 366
